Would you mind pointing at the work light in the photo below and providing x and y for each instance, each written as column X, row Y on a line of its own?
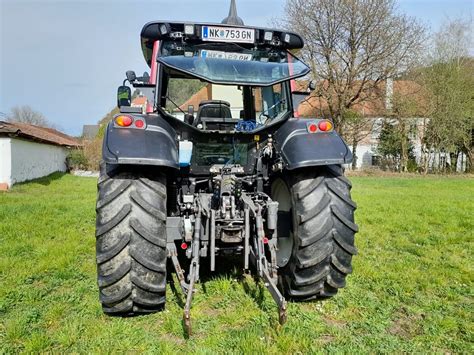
column 189, row 30
column 165, row 29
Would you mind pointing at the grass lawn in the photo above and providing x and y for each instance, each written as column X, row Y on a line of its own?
column 411, row 290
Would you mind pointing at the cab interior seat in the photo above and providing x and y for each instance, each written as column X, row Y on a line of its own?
column 215, row 115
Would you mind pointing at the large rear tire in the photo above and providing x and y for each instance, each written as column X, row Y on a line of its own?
column 131, row 241
column 316, row 255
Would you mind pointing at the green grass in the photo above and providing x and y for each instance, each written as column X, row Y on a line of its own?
column 411, row 290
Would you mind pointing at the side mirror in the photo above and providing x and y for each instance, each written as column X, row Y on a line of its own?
column 124, row 96
column 131, row 76
column 312, row 85
column 191, row 110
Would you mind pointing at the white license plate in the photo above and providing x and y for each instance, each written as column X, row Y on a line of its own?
column 227, row 34
column 225, row 55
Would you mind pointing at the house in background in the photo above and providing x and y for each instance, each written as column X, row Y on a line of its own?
column 140, row 102
column 28, row 152
column 375, row 106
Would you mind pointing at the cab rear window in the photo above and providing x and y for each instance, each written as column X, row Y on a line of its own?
column 229, row 63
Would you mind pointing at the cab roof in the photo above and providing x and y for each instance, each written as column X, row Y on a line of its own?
column 191, row 32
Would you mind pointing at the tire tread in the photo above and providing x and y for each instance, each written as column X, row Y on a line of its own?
column 324, row 234
column 131, row 241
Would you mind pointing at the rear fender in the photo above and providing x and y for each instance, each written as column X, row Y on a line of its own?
column 299, row 148
column 155, row 145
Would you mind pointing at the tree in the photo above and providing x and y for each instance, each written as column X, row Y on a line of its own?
column 388, row 146
column 394, row 145
column 353, row 46
column 180, row 90
column 358, row 127
column 449, row 79
column 404, row 114
column 25, row 114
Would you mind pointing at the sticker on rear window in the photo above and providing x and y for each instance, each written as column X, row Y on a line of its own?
column 225, row 55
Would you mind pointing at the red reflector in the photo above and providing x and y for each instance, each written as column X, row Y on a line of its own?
column 139, row 124
column 325, row 126
column 184, row 246
column 124, row 121
column 312, row 128
column 265, row 240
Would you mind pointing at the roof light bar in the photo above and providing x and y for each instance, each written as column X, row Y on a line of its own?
column 192, row 32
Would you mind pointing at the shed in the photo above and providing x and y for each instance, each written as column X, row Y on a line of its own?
column 28, row 152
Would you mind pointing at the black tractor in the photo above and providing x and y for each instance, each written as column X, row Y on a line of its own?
column 229, row 170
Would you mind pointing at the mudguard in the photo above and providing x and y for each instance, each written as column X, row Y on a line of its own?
column 155, row 145
column 299, row 148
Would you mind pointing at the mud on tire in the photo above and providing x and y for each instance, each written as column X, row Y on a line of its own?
column 323, row 234
column 131, row 241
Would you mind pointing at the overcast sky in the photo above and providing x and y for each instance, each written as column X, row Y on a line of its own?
column 65, row 58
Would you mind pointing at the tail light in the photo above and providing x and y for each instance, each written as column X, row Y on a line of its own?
column 312, row 127
column 325, row 126
column 124, row 121
column 139, row 123
column 319, row 126
column 128, row 121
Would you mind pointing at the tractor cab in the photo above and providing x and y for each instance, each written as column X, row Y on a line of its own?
column 221, row 77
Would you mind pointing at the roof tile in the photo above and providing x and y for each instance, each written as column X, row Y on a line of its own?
column 37, row 133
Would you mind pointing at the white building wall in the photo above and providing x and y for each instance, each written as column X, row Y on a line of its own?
column 31, row 160
column 364, row 156
column 230, row 94
column 5, row 161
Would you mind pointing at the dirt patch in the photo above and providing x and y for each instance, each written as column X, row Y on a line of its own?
column 326, row 339
column 405, row 324
column 211, row 312
column 85, row 173
column 337, row 323
column 173, row 339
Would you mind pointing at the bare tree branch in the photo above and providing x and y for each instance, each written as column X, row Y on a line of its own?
column 25, row 114
column 353, row 46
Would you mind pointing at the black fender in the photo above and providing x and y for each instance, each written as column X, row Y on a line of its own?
column 155, row 145
column 299, row 148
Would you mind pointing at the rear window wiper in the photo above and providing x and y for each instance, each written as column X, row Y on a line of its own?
column 179, row 108
column 279, row 102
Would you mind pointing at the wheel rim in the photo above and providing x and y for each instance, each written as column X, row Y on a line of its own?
column 281, row 194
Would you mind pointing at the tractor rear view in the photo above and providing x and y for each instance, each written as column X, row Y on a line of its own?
column 231, row 171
